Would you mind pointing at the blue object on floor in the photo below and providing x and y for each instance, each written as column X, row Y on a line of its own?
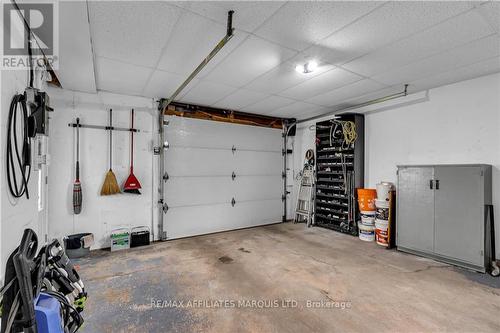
column 48, row 314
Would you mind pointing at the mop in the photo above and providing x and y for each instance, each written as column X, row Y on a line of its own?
column 132, row 184
column 110, row 185
column 77, row 186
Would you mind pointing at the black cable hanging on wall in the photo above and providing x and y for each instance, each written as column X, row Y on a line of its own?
column 19, row 148
column 21, row 128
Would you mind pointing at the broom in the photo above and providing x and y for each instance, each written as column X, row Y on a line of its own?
column 77, row 186
column 110, row 185
column 132, row 184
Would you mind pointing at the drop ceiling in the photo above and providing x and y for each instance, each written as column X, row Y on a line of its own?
column 364, row 49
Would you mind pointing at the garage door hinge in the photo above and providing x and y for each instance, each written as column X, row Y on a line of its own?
column 164, row 206
column 283, row 174
column 233, row 202
column 165, row 177
column 233, row 175
column 156, row 150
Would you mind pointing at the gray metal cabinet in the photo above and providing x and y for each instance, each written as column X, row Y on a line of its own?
column 441, row 212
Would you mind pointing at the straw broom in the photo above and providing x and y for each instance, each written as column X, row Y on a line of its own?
column 110, row 185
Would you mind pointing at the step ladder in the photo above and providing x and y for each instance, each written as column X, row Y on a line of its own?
column 305, row 198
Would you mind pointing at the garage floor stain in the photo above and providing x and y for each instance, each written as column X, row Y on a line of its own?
column 295, row 279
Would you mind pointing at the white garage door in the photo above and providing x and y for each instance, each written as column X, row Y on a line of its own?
column 200, row 163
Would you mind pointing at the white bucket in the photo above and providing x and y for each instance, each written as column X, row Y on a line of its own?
column 383, row 189
column 381, row 203
column 368, row 219
column 382, row 232
column 366, row 233
column 382, row 214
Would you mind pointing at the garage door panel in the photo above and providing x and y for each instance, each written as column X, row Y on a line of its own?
column 200, row 189
column 198, row 220
column 187, row 132
column 257, row 163
column 198, row 162
column 255, row 213
column 254, row 188
column 189, row 191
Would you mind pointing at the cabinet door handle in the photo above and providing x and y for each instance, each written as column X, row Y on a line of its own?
column 437, row 184
column 431, row 184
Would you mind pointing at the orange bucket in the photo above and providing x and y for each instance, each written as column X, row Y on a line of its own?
column 366, row 199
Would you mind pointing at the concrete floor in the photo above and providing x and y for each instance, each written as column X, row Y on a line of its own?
column 261, row 279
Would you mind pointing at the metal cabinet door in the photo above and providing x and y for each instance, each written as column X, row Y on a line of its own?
column 415, row 223
column 459, row 224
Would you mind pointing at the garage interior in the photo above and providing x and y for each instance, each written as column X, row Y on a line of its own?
column 248, row 166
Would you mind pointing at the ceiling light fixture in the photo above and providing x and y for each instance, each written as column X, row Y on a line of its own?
column 308, row 67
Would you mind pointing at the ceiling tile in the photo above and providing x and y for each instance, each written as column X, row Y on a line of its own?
column 120, row 77
column 240, row 98
column 388, row 23
column 76, row 62
column 486, row 67
column 192, row 39
column 268, row 105
column 295, row 108
column 355, row 89
column 206, row 93
column 131, row 31
column 247, row 16
column 451, row 33
column 162, row 84
column 491, row 13
column 468, row 54
column 284, row 76
column 330, row 80
column 377, row 94
column 299, row 24
column 251, row 59
column 320, row 111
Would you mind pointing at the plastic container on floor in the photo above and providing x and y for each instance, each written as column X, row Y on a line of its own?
column 366, row 233
column 120, row 239
column 366, row 199
column 381, row 203
column 383, row 189
column 368, row 218
column 382, row 214
column 382, row 232
column 78, row 245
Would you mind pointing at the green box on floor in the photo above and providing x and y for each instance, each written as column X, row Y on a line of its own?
column 120, row 239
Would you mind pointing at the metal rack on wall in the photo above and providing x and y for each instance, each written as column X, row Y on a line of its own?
column 339, row 171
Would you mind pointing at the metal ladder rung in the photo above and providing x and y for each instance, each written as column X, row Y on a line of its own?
column 305, row 198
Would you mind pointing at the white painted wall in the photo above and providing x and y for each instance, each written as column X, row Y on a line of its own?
column 15, row 214
column 459, row 123
column 100, row 214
